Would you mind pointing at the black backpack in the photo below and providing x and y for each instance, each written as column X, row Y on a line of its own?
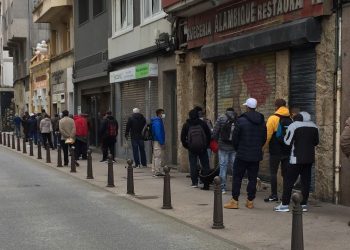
column 283, row 125
column 112, row 128
column 226, row 132
column 147, row 132
column 196, row 139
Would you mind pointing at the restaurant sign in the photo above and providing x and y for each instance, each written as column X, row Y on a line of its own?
column 242, row 16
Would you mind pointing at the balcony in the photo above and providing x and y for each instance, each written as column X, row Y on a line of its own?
column 46, row 11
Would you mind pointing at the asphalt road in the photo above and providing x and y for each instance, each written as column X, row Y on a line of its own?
column 41, row 208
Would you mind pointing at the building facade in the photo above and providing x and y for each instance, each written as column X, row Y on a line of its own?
column 143, row 71
column 91, row 83
column 59, row 14
column 231, row 50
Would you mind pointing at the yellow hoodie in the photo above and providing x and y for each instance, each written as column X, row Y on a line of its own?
column 273, row 121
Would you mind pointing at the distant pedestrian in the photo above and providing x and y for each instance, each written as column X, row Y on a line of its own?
column 17, row 122
column 277, row 125
column 81, row 136
column 25, row 124
column 303, row 136
column 195, row 137
column 39, row 117
column 202, row 116
column 249, row 138
column 32, row 125
column 67, row 130
column 223, row 133
column 46, row 130
column 134, row 127
column 158, row 134
column 345, row 139
column 109, row 133
column 55, row 127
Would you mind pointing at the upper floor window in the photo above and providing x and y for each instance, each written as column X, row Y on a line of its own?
column 151, row 10
column 122, row 16
column 99, row 6
column 83, row 8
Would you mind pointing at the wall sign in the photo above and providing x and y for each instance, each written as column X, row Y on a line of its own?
column 235, row 18
column 136, row 72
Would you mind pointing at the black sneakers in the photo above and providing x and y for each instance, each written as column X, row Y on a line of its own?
column 271, row 198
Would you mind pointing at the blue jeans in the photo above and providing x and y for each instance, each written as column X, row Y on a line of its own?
column 34, row 136
column 18, row 130
column 225, row 158
column 138, row 149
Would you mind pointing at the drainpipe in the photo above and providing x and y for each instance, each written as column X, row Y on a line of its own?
column 338, row 99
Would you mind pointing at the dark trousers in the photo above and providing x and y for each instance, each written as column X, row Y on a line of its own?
column 65, row 148
column 80, row 149
column 34, row 136
column 204, row 161
column 292, row 174
column 138, row 149
column 47, row 139
column 108, row 144
column 240, row 167
column 275, row 161
column 55, row 139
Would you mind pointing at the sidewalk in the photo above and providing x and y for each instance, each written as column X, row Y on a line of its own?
column 325, row 225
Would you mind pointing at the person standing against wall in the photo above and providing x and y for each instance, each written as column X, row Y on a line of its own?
column 158, row 134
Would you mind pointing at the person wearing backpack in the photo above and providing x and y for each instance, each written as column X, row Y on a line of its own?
column 67, row 130
column 134, row 127
column 223, row 133
column 249, row 138
column 195, row 137
column 109, row 133
column 277, row 125
column 158, row 137
column 345, row 139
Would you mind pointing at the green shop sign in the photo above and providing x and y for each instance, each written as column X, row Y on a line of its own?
column 136, row 72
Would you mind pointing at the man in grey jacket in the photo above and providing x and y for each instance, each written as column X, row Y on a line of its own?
column 223, row 133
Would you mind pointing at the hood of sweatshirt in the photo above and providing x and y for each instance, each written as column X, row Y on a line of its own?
column 254, row 117
column 306, row 116
column 283, row 111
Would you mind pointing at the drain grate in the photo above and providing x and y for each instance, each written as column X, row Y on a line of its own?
column 149, row 197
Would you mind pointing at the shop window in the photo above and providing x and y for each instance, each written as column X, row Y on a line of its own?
column 99, row 6
column 122, row 16
column 151, row 11
column 83, row 11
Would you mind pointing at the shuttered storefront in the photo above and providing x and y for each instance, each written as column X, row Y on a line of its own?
column 250, row 76
column 302, row 87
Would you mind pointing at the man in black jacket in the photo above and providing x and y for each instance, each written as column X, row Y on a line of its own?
column 249, row 138
column 195, row 137
column 109, row 133
column 134, row 127
column 303, row 136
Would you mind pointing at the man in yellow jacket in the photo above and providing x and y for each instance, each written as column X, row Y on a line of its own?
column 277, row 125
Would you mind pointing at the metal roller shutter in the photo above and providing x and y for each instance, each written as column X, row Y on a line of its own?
column 302, row 88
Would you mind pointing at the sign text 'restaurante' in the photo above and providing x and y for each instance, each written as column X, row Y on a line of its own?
column 245, row 14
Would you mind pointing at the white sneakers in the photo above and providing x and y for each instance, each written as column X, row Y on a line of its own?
column 285, row 208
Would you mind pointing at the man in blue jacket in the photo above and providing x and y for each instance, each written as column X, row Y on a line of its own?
column 158, row 135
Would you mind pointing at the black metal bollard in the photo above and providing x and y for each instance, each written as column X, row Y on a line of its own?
column 130, row 179
column 218, row 217
column 48, row 156
column 0, row 137
column 39, row 150
column 18, row 144
column 166, row 189
column 13, row 141
column 4, row 136
column 31, row 147
column 8, row 140
column 73, row 168
column 297, row 225
column 110, row 180
column 59, row 156
column 89, row 165
column 24, row 146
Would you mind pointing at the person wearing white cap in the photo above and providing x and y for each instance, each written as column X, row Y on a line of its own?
column 134, row 127
column 249, row 138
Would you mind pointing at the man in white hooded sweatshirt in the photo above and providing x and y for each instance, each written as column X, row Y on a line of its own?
column 303, row 135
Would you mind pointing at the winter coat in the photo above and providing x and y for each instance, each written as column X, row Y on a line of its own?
column 345, row 139
column 249, row 136
column 45, row 126
column 55, row 123
column 81, row 126
column 17, row 121
column 158, row 131
column 104, row 129
column 134, row 126
column 221, row 121
column 304, row 137
column 32, row 125
column 272, row 126
column 67, row 128
column 194, row 122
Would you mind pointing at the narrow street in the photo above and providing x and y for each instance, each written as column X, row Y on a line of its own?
column 42, row 208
